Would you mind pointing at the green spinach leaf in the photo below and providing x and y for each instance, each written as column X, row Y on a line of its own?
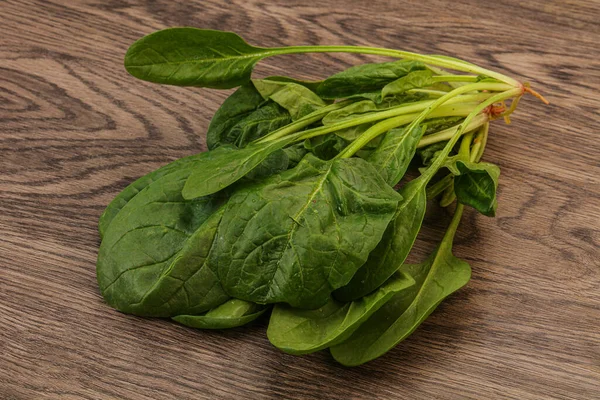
column 296, row 99
column 132, row 190
column 325, row 147
column 352, row 110
column 298, row 235
column 353, row 132
column 297, row 331
column 429, row 154
column 295, row 154
column 394, row 153
column 365, row 78
column 475, row 185
column 310, row 85
column 394, row 246
column 237, row 107
column 230, row 314
column 226, row 167
column 193, row 57
column 412, row 80
column 257, row 124
column 439, row 276
column 274, row 163
column 153, row 258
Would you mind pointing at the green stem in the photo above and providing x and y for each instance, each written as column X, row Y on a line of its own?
column 459, row 110
column 447, row 134
column 430, row 92
column 439, row 161
column 370, row 117
column 480, row 142
column 373, row 132
column 464, row 152
column 455, row 78
column 439, row 186
column 452, row 228
column 303, row 122
column 444, row 62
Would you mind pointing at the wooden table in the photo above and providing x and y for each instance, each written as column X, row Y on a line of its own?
column 76, row 128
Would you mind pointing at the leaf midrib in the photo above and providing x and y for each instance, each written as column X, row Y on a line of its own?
column 258, row 55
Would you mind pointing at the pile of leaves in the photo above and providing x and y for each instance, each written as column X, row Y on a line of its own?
column 299, row 207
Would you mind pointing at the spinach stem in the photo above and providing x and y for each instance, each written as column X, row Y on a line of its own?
column 447, row 134
column 303, row 122
column 455, row 78
column 431, row 92
column 479, row 143
column 458, row 110
column 376, row 130
column 440, row 186
column 368, row 118
column 451, row 231
column 440, row 61
column 439, row 161
column 464, row 152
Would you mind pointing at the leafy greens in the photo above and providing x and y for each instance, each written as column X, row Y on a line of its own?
column 303, row 204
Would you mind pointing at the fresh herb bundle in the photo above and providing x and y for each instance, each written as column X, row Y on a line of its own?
column 297, row 206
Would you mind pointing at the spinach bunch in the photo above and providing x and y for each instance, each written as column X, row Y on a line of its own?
column 302, row 205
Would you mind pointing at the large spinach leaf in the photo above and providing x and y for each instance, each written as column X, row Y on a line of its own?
column 120, row 200
column 153, row 257
column 439, row 276
column 193, row 57
column 297, row 331
column 298, row 235
column 230, row 314
column 365, row 78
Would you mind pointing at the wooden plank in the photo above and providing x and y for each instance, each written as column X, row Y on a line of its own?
column 76, row 128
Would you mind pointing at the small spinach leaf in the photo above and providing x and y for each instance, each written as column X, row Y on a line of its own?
column 349, row 112
column 298, row 235
column 439, row 124
column 225, row 167
column 257, row 124
column 295, row 153
column 274, row 163
column 296, row 99
column 311, row 85
column 365, row 78
column 429, row 154
column 394, row 153
column 234, row 109
column 325, row 147
column 230, row 314
column 412, row 80
column 353, row 132
column 476, row 184
column 439, row 276
column 297, row 331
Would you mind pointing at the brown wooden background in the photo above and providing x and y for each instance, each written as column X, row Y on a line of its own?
column 75, row 129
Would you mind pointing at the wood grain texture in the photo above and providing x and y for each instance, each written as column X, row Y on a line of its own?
column 75, row 129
